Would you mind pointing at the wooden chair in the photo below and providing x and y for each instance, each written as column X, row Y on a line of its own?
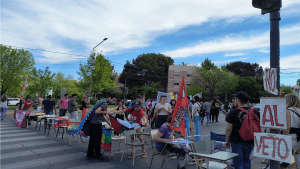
column 118, row 138
column 64, row 128
column 49, row 121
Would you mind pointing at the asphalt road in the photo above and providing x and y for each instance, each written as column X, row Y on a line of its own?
column 23, row 148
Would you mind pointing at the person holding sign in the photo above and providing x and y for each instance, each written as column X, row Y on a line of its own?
column 234, row 121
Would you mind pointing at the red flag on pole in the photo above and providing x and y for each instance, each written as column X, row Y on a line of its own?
column 24, row 87
column 177, row 122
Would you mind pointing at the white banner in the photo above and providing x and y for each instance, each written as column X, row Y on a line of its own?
column 162, row 93
column 270, row 80
column 273, row 112
column 273, row 146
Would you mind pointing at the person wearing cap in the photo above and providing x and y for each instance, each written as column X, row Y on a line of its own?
column 49, row 105
column 63, row 105
column 137, row 115
column 72, row 107
column 139, row 98
column 234, row 121
column 163, row 110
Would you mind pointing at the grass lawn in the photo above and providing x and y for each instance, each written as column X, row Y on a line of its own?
column 13, row 107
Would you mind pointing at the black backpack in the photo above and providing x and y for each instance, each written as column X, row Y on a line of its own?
column 201, row 112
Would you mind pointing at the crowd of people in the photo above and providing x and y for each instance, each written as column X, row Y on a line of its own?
column 159, row 114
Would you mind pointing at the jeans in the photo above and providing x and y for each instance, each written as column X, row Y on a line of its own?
column 62, row 112
column 198, row 128
column 180, row 154
column 187, row 124
column 38, row 108
column 202, row 118
column 95, row 141
column 3, row 111
column 243, row 160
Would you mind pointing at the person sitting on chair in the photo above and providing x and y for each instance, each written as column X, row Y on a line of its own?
column 165, row 135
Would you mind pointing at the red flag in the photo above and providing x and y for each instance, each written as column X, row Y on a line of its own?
column 115, row 124
column 24, row 87
column 177, row 122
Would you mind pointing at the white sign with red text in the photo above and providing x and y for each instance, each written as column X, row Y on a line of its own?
column 270, row 80
column 273, row 112
column 273, row 146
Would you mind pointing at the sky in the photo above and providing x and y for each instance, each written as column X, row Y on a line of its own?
column 62, row 34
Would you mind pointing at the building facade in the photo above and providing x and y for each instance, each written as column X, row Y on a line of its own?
column 175, row 76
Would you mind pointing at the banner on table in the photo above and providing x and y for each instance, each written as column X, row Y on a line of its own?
column 273, row 146
column 177, row 122
column 270, row 80
column 61, row 122
column 106, row 140
column 162, row 93
column 273, row 112
column 21, row 117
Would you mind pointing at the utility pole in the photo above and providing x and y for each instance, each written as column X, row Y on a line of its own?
column 91, row 62
column 273, row 7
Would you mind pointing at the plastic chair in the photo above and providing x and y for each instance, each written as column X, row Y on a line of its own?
column 64, row 127
column 219, row 139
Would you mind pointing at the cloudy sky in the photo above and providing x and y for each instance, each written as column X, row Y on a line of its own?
column 65, row 32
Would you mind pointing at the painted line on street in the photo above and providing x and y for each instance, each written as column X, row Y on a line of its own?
column 22, row 139
column 33, row 152
column 13, row 135
column 14, row 131
column 30, row 144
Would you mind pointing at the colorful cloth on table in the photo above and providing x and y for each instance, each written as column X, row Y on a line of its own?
column 106, row 140
column 3, row 111
column 121, row 125
column 73, row 128
column 129, row 124
column 21, row 117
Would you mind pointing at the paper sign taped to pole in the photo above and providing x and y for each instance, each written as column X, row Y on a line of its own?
column 273, row 146
column 270, row 80
column 273, row 112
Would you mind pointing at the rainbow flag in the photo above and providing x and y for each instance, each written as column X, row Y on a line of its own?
column 106, row 140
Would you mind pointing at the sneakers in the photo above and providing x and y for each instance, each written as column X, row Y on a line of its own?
column 144, row 155
column 130, row 155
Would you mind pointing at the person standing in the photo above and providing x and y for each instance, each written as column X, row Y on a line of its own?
column 196, row 117
column 3, row 106
column 238, row 145
column 137, row 115
column 72, row 107
column 139, row 98
column 172, row 103
column 163, row 110
column 49, row 105
column 95, row 127
column 226, row 105
column 39, row 103
column 215, row 110
column 84, row 107
column 63, row 105
column 27, row 104
column 119, row 107
column 206, row 106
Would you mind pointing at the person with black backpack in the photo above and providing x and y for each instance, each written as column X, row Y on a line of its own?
column 235, row 133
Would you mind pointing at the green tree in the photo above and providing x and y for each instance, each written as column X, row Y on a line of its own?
column 157, row 66
column 245, row 69
column 68, row 83
column 194, row 89
column 150, row 91
column 286, row 90
column 298, row 82
column 40, row 80
column 102, row 78
column 15, row 65
column 215, row 80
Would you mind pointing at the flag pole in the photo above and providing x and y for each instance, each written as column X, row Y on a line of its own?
column 193, row 136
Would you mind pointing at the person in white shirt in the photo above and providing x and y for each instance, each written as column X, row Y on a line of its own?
column 163, row 110
column 196, row 117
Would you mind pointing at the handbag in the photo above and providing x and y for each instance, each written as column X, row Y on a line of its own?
column 86, row 127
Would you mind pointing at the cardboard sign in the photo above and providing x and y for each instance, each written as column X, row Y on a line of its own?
column 273, row 146
column 270, row 80
column 273, row 112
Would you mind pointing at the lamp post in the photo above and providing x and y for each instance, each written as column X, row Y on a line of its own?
column 91, row 63
column 139, row 73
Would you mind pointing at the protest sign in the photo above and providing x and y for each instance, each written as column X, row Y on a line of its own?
column 21, row 118
column 273, row 146
column 273, row 112
column 270, row 80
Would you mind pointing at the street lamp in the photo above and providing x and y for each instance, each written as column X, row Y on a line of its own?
column 92, row 67
column 139, row 73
